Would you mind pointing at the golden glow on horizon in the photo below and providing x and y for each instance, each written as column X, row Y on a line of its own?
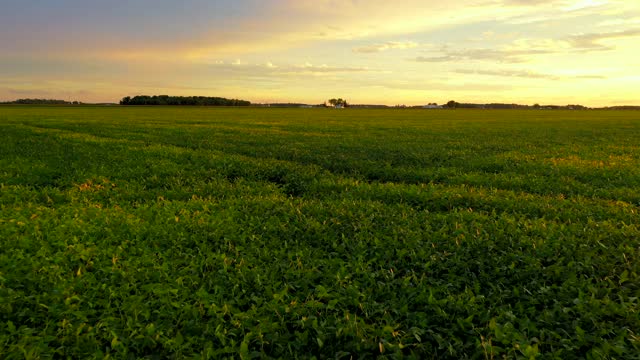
column 412, row 52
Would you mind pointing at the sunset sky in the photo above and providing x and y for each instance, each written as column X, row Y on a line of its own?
column 374, row 51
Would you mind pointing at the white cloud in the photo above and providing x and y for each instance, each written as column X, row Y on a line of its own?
column 620, row 22
column 522, row 50
column 525, row 74
column 592, row 41
column 386, row 46
column 269, row 69
column 309, row 68
column 585, row 4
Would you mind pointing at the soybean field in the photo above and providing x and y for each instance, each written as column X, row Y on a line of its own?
column 240, row 233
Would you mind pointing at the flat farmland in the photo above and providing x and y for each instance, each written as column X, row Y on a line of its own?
column 185, row 232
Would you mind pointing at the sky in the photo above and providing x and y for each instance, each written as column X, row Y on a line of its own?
column 369, row 52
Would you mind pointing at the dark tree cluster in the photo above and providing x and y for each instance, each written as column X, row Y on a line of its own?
column 182, row 100
column 39, row 102
column 453, row 104
column 338, row 102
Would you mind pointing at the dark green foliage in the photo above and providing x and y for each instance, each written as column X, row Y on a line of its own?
column 182, row 100
column 338, row 102
column 298, row 233
column 40, row 102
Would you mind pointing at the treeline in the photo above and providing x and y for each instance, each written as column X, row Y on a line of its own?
column 456, row 105
column 182, row 100
column 622, row 107
column 40, row 102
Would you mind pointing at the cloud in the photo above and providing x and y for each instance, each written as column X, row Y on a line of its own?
column 522, row 49
column 310, row 68
column 508, row 73
column 591, row 42
column 499, row 55
column 270, row 69
column 526, row 2
column 386, row 46
column 524, row 74
column 441, row 86
column 585, row 4
column 535, row 12
column 620, row 22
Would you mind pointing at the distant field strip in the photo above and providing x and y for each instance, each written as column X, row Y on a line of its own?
column 228, row 232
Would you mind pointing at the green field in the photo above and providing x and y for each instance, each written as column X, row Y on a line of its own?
column 292, row 233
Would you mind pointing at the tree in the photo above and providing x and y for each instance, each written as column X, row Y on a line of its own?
column 338, row 102
column 452, row 104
